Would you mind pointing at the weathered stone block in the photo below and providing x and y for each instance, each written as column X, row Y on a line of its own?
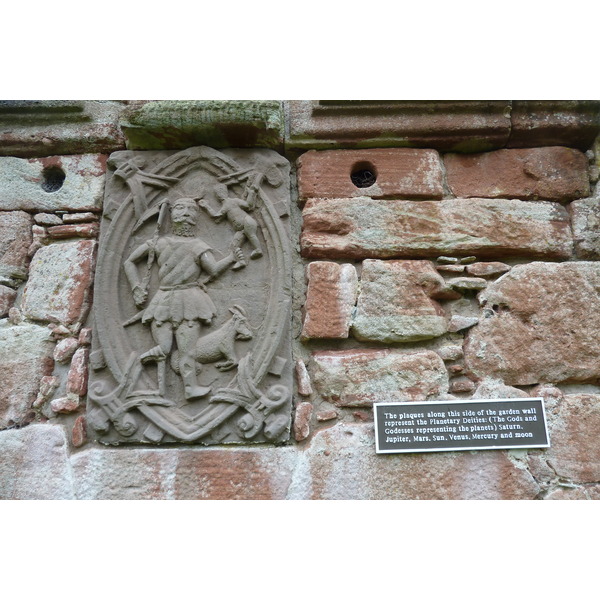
column 461, row 385
column 574, row 453
column 572, row 123
column 48, row 127
column 539, row 326
column 460, row 323
column 35, row 464
column 172, row 124
column 77, row 379
column 58, row 288
column 360, row 228
column 395, row 305
column 487, row 269
column 398, row 173
column 82, row 230
column 303, row 379
column 15, row 239
column 79, row 433
column 52, row 183
column 304, row 412
column 67, row 404
column 25, row 357
column 330, row 299
column 552, row 173
column 361, row 377
column 450, row 352
column 65, row 349
column 7, row 300
column 48, row 385
column 340, row 464
column 184, row 474
column 471, row 126
column 491, row 388
column 585, row 218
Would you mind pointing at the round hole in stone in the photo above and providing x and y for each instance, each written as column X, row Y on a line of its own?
column 54, row 178
column 363, row 175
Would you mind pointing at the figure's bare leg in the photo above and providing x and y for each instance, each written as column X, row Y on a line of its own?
column 250, row 229
column 187, row 335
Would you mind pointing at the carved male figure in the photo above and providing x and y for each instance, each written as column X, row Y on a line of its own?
column 181, row 305
column 234, row 210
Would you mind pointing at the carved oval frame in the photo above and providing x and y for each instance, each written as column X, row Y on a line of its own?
column 113, row 338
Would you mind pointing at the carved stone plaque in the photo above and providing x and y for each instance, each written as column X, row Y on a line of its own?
column 192, row 299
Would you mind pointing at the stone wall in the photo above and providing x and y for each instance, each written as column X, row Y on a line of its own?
column 443, row 250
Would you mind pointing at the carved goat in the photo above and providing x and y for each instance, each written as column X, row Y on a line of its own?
column 220, row 343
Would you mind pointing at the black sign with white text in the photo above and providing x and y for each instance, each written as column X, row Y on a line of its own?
column 460, row 425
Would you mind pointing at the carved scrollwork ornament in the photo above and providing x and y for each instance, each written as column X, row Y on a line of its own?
column 192, row 299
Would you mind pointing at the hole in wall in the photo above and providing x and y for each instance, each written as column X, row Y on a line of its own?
column 53, row 179
column 363, row 175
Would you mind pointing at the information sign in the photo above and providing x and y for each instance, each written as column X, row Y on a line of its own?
column 460, row 425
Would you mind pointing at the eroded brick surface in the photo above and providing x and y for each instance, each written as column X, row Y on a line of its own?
column 186, row 474
column 331, row 295
column 539, row 325
column 574, row 453
column 25, row 358
column 395, row 303
column 340, row 463
column 59, row 282
column 552, row 173
column 358, row 228
column 397, row 173
column 360, row 377
column 35, row 464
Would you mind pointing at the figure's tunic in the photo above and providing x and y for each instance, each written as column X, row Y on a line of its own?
column 179, row 297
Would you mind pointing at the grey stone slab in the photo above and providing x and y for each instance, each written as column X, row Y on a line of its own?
column 192, row 300
column 60, row 277
column 31, row 128
column 183, row 473
column 25, row 357
column 340, row 464
column 170, row 124
column 52, row 183
column 364, row 228
column 585, row 218
column 15, row 239
column 35, row 464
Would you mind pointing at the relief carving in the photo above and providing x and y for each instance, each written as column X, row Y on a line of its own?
column 192, row 299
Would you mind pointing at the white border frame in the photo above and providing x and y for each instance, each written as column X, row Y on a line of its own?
column 458, row 402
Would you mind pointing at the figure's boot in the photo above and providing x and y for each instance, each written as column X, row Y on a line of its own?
column 187, row 369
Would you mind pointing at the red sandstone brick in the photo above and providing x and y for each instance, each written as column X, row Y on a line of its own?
column 552, row 173
column 400, row 173
column 487, row 269
column 358, row 228
column 331, row 296
column 302, row 421
column 359, row 377
column 77, row 379
column 303, row 379
column 82, row 230
column 79, row 435
column 65, row 349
